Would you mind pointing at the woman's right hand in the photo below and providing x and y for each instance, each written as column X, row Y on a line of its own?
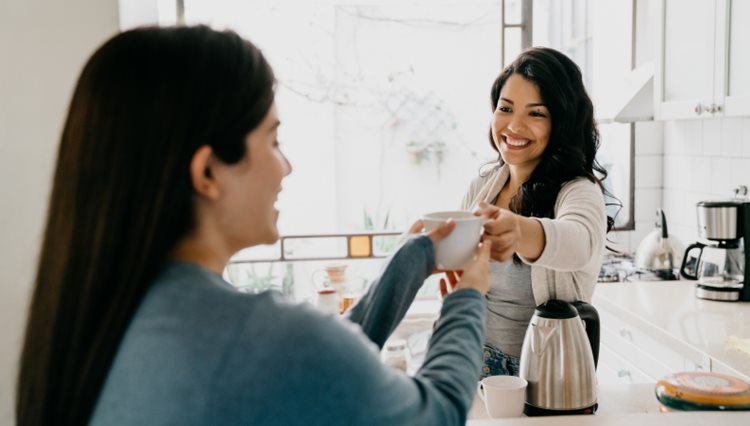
column 476, row 274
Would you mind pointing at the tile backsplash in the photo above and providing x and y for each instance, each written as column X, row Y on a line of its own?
column 677, row 164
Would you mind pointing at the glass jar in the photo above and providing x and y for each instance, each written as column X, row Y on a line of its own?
column 394, row 353
column 328, row 300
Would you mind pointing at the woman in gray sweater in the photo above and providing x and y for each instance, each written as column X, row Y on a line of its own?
column 545, row 196
column 168, row 164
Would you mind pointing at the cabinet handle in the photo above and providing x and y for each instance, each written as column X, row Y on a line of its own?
column 624, row 373
column 698, row 109
column 626, row 334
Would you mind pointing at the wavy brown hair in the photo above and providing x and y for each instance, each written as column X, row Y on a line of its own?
column 574, row 139
column 122, row 197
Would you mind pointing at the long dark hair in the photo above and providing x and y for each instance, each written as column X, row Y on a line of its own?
column 122, row 197
column 574, row 139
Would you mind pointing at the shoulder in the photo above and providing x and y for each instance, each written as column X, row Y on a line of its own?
column 485, row 186
column 486, row 176
column 579, row 189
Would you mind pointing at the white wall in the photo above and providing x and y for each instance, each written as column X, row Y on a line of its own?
column 703, row 160
column 679, row 163
column 43, row 45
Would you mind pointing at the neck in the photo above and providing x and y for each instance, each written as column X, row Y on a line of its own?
column 518, row 175
column 198, row 247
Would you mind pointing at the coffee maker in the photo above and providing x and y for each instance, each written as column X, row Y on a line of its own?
column 720, row 266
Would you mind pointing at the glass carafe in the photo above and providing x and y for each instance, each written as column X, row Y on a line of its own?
column 721, row 266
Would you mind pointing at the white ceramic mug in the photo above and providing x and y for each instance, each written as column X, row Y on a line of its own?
column 458, row 248
column 503, row 396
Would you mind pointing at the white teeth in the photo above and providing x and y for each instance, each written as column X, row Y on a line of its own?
column 516, row 142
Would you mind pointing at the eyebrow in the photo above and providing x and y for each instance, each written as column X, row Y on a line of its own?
column 274, row 126
column 530, row 105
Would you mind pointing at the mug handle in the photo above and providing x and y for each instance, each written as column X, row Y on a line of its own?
column 480, row 391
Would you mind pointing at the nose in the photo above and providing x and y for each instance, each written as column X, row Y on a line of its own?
column 286, row 165
column 517, row 123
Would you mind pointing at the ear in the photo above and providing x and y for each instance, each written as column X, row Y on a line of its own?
column 201, row 175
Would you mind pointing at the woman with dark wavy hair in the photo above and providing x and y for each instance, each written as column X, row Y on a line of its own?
column 169, row 164
column 545, row 195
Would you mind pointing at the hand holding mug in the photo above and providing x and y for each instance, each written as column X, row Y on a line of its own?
column 476, row 274
column 503, row 229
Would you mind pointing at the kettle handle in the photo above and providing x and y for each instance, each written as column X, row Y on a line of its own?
column 683, row 271
column 590, row 317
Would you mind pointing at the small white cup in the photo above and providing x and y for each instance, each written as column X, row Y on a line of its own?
column 458, row 248
column 503, row 396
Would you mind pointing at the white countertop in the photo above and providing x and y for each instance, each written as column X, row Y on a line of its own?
column 685, row 418
column 671, row 308
column 626, row 405
column 671, row 311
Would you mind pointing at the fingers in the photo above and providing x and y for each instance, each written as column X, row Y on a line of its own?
column 443, row 288
column 452, row 278
column 503, row 246
column 447, row 286
column 416, row 227
column 488, row 210
column 485, row 248
column 503, row 222
column 442, row 231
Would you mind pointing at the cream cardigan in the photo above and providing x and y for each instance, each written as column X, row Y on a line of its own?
column 571, row 259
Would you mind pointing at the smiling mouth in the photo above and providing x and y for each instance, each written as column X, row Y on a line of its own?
column 516, row 142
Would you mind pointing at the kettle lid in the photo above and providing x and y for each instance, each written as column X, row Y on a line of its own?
column 556, row 309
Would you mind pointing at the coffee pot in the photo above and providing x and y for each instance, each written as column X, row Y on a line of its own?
column 558, row 359
column 720, row 266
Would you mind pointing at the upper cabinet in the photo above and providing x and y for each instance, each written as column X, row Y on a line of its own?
column 702, row 66
column 735, row 89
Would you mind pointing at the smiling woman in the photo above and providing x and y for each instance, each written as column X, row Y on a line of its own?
column 544, row 196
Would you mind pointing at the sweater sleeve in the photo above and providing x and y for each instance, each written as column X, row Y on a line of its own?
column 574, row 239
column 385, row 303
column 345, row 382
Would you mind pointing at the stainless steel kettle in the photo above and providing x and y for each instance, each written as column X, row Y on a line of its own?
column 658, row 252
column 558, row 359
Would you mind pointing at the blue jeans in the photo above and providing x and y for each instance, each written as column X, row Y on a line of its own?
column 497, row 363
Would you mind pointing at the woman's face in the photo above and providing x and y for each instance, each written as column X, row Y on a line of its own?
column 521, row 125
column 251, row 187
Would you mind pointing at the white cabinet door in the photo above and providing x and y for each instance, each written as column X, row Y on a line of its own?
column 685, row 58
column 733, row 81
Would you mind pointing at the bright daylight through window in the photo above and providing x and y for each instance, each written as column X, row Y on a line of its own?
column 384, row 104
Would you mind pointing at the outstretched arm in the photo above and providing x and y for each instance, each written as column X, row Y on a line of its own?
column 384, row 305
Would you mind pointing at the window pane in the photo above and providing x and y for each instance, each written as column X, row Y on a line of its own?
column 614, row 155
column 384, row 108
column 513, row 12
column 512, row 43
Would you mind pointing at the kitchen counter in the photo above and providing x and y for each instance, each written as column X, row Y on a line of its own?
column 626, row 405
column 672, row 313
column 694, row 418
column 669, row 312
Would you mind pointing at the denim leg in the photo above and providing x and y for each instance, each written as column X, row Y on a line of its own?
column 497, row 363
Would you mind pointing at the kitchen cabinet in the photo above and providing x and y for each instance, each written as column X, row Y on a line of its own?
column 702, row 65
column 639, row 353
column 652, row 329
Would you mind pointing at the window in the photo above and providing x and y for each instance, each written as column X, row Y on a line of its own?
column 384, row 110
column 385, row 106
